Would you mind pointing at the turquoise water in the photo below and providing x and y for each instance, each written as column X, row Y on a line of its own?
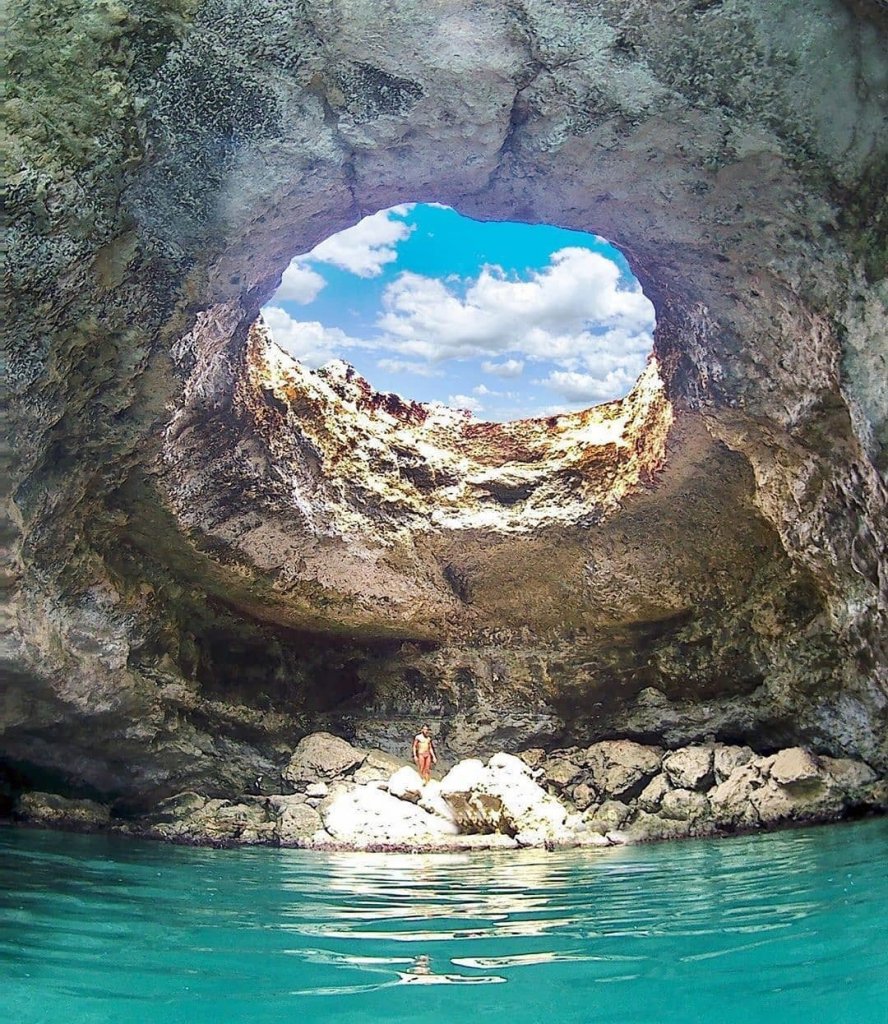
column 787, row 927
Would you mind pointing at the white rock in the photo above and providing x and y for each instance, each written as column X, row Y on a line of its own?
column 502, row 797
column 317, row 789
column 366, row 816
column 431, row 800
column 406, row 784
column 462, row 777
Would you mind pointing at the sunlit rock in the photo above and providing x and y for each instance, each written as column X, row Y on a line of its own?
column 366, row 816
column 406, row 784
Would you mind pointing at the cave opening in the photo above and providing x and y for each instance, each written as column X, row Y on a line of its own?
column 500, row 319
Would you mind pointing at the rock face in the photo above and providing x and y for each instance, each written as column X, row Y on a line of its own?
column 209, row 553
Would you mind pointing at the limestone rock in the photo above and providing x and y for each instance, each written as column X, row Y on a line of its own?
column 62, row 812
column 582, row 796
column 683, row 805
column 297, row 824
column 811, row 801
column 612, row 814
column 431, row 800
column 383, row 761
column 794, row 766
column 690, row 767
column 650, row 797
column 730, row 801
column 535, row 757
column 406, row 784
column 369, row 774
column 502, row 797
column 559, row 772
column 852, row 777
column 321, row 756
column 621, row 768
column 728, row 757
column 367, row 816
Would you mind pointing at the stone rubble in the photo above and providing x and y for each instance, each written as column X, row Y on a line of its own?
column 609, row 793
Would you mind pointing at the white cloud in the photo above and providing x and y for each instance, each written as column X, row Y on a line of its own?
column 465, row 402
column 482, row 389
column 509, row 368
column 299, row 283
column 408, row 366
column 576, row 312
column 368, row 246
column 308, row 341
column 587, row 388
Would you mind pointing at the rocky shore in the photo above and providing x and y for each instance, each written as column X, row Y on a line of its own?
column 335, row 796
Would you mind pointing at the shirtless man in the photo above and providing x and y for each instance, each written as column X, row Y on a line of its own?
column 424, row 753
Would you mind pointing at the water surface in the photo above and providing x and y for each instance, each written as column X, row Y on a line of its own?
column 787, row 927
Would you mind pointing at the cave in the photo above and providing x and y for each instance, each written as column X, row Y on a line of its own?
column 210, row 552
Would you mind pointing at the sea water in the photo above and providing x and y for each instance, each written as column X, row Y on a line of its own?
column 786, row 927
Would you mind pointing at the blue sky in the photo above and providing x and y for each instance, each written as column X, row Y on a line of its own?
column 506, row 319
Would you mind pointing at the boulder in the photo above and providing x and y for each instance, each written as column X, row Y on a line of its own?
column 690, row 767
column 366, row 816
column 650, row 797
column 810, row 801
column 317, row 789
column 728, row 757
column 794, row 767
column 684, row 805
column 612, row 814
column 383, row 761
column 430, row 800
column 582, row 796
column 851, row 776
column 62, row 812
column 620, row 769
column 217, row 821
column 321, row 756
column 730, row 802
column 529, row 812
column 559, row 772
column 533, row 758
column 406, row 784
column 369, row 774
column 458, row 790
column 298, row 823
column 177, row 807
column 503, row 797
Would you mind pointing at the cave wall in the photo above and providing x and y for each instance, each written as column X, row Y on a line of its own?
column 167, row 162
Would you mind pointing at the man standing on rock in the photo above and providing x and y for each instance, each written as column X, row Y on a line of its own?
column 424, row 755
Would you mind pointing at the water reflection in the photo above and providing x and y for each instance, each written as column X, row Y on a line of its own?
column 96, row 928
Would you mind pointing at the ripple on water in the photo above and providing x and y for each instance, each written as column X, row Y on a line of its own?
column 790, row 924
